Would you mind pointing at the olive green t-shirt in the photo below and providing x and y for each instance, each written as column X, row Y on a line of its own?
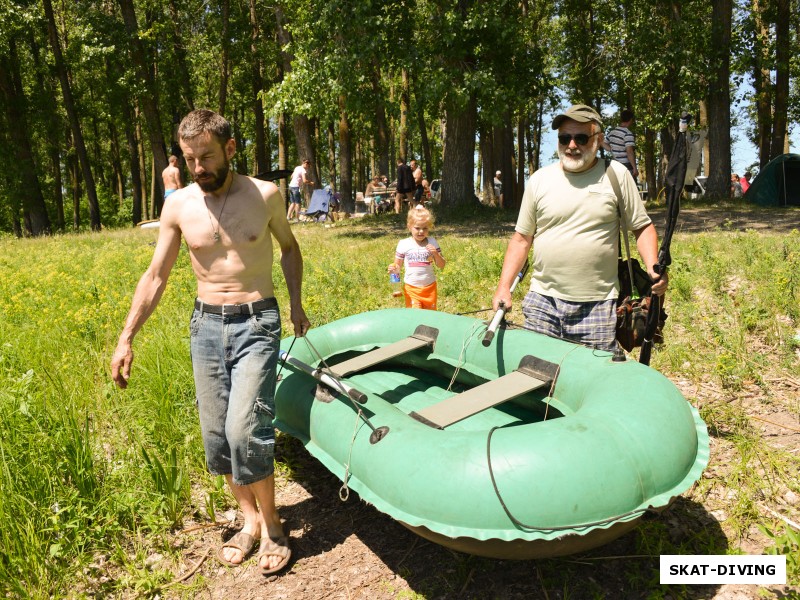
column 574, row 221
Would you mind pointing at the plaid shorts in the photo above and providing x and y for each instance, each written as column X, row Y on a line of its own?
column 593, row 324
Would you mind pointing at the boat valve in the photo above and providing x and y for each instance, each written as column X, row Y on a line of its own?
column 378, row 434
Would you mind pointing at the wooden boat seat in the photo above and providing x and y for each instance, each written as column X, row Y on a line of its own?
column 422, row 337
column 532, row 373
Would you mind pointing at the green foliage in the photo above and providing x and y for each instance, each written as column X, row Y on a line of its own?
column 170, row 483
column 786, row 543
column 76, row 453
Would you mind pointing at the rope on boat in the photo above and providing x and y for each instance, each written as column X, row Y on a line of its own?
column 464, row 345
column 520, row 524
column 637, row 512
column 285, row 357
column 344, row 491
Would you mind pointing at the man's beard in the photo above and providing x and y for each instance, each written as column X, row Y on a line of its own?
column 211, row 182
column 579, row 159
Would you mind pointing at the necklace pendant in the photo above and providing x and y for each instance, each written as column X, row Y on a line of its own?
column 216, row 236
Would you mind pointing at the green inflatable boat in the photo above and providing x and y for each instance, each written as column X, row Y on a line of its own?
column 528, row 447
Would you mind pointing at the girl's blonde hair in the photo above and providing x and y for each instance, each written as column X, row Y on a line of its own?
column 419, row 213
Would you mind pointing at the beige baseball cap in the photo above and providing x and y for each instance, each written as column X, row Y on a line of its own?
column 580, row 113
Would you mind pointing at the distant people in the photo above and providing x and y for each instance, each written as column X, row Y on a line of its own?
column 404, row 192
column 745, row 182
column 172, row 177
column 426, row 190
column 736, row 186
column 498, row 186
column 418, row 189
column 298, row 180
column 622, row 143
column 419, row 253
column 377, row 191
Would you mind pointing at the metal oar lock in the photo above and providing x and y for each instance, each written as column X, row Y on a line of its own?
column 336, row 384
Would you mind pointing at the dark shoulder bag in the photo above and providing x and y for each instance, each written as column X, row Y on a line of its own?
column 635, row 284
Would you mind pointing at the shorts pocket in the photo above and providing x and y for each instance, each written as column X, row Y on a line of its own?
column 262, row 440
column 195, row 323
column 267, row 323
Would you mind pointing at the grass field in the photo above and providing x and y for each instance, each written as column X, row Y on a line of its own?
column 94, row 479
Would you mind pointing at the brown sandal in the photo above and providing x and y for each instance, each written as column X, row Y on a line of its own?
column 274, row 547
column 244, row 542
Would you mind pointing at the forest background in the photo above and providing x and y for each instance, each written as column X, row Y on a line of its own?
column 91, row 92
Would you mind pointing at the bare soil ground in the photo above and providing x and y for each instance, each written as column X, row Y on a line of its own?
column 349, row 550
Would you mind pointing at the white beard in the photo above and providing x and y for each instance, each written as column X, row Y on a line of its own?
column 578, row 159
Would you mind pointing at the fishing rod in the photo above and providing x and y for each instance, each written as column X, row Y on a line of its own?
column 501, row 311
column 675, row 180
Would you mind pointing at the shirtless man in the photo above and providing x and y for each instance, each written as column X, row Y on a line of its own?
column 228, row 222
column 172, row 177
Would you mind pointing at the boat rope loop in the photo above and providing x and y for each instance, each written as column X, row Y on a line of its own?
column 631, row 513
column 344, row 491
column 464, row 345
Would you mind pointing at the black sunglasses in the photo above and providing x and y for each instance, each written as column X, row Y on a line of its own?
column 580, row 138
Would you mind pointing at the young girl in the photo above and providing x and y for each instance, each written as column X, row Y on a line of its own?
column 419, row 252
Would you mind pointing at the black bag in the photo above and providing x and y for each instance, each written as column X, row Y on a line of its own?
column 632, row 309
column 632, row 312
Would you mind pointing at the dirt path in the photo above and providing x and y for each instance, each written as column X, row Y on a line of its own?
column 348, row 550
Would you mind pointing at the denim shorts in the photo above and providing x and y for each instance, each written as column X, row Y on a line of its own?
column 593, row 324
column 294, row 195
column 235, row 359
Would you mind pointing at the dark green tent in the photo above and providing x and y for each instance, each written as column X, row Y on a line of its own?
column 778, row 183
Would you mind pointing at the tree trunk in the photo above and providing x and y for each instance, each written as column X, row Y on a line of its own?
column 181, row 61
column 507, row 163
column 136, row 174
column 404, row 108
column 459, row 155
column 72, row 114
column 719, row 104
column 262, row 163
column 283, row 160
column 149, row 102
column 116, row 162
column 53, row 126
column 783, row 47
column 147, row 202
column 305, row 145
column 486, row 170
column 426, row 147
column 345, row 159
column 381, row 129
column 762, row 86
column 332, row 156
column 28, row 189
column 224, row 66
column 520, row 180
column 650, row 163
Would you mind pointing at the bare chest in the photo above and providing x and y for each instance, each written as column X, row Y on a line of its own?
column 238, row 227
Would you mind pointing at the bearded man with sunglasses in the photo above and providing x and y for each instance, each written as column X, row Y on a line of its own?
column 571, row 210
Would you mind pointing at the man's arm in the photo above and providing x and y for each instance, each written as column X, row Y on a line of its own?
column 291, row 262
column 631, row 152
column 647, row 244
column 516, row 254
column 147, row 295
